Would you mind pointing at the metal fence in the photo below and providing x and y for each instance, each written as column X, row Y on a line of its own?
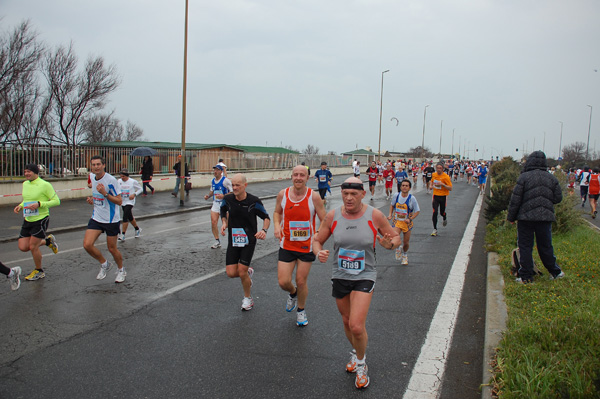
column 62, row 161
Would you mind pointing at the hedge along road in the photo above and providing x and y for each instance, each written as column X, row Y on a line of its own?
column 175, row 328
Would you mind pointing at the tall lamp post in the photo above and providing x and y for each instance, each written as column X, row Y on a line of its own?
column 441, row 126
column 380, row 115
column 587, row 148
column 423, row 142
column 560, row 140
column 183, row 113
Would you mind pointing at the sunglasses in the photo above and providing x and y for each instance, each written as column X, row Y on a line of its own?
column 353, row 186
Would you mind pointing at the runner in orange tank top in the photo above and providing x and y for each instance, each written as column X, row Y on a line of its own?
column 294, row 222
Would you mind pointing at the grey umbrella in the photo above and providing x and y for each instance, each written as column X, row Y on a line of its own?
column 143, row 151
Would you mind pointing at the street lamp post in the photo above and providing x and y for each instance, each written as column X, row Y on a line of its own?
column 423, row 142
column 183, row 113
column 380, row 115
column 587, row 148
column 560, row 140
column 441, row 126
column 452, row 153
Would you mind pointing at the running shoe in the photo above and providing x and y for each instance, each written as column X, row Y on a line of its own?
column 121, row 237
column 247, row 303
column 445, row 222
column 152, row 191
column 216, row 245
column 362, row 379
column 291, row 303
column 301, row 319
column 398, row 254
column 35, row 275
column 351, row 365
column 595, row 214
column 250, row 274
column 52, row 245
column 404, row 260
column 138, row 233
column 15, row 281
column 519, row 280
column 434, row 233
column 559, row 275
column 121, row 274
column 103, row 270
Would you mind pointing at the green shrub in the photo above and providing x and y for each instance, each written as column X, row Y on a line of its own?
column 504, row 174
column 567, row 216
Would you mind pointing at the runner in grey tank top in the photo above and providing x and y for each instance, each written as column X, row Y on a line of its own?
column 355, row 227
column 354, row 246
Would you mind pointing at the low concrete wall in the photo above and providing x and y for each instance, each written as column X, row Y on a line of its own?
column 70, row 188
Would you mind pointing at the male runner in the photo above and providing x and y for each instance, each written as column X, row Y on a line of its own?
column 380, row 169
column 415, row 173
column 130, row 189
column 399, row 176
column 372, row 175
column 294, row 221
column 427, row 173
column 354, row 227
column 106, row 199
column 403, row 210
column 238, row 214
column 442, row 185
column 482, row 172
column 12, row 275
column 388, row 178
column 38, row 197
column 584, row 183
column 594, row 190
column 220, row 186
column 323, row 177
column 356, row 169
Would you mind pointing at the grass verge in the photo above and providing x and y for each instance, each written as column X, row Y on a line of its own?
column 551, row 348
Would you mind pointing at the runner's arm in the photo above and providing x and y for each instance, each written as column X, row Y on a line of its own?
column 277, row 215
column 388, row 235
column 322, row 236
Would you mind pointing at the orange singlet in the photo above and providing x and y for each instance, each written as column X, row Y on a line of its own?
column 298, row 223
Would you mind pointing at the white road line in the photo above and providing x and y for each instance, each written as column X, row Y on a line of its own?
column 428, row 373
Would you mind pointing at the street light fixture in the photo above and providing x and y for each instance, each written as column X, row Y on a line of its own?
column 380, row 115
column 423, row 142
column 587, row 148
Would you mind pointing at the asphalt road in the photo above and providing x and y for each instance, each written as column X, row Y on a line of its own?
column 175, row 329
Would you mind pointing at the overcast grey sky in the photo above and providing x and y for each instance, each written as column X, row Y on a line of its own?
column 297, row 72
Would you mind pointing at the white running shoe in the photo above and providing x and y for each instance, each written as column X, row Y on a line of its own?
column 103, row 270
column 291, row 302
column 404, row 259
column 216, row 245
column 15, row 281
column 138, row 233
column 121, row 237
column 301, row 319
column 434, row 233
column 398, row 254
column 121, row 274
column 247, row 303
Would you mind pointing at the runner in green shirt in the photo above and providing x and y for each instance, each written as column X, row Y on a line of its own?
column 38, row 197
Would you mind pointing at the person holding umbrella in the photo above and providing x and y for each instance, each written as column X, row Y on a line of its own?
column 147, row 172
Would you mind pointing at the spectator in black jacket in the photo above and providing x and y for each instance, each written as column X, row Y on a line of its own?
column 147, row 172
column 532, row 205
column 186, row 175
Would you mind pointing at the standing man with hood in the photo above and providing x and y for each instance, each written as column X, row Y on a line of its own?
column 532, row 205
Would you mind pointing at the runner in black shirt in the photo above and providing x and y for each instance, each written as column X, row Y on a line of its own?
column 239, row 210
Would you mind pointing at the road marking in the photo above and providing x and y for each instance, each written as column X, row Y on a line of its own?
column 428, row 373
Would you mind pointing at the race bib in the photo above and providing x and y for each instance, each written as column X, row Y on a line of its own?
column 98, row 199
column 125, row 194
column 299, row 231
column 351, row 261
column 437, row 184
column 322, row 178
column 239, row 238
column 389, row 178
column 215, row 193
column 30, row 212
column 428, row 174
column 401, row 213
column 373, row 175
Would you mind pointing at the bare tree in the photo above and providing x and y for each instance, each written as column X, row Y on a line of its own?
column 99, row 128
column 574, row 153
column 311, row 150
column 23, row 105
column 76, row 94
column 133, row 132
column 418, row 152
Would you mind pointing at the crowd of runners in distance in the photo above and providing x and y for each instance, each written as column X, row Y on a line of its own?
column 588, row 181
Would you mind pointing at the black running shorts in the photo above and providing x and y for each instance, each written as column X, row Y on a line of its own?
column 340, row 288
column 291, row 256
column 242, row 255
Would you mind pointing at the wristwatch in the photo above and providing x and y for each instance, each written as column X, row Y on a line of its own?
column 265, row 230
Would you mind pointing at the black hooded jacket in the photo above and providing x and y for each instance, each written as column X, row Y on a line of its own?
column 535, row 193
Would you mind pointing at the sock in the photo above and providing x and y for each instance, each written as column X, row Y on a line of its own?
column 361, row 362
column 47, row 242
column 300, row 310
column 104, row 265
column 294, row 294
column 137, row 227
column 12, row 272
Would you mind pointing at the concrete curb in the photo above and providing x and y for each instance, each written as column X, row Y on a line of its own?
column 495, row 320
